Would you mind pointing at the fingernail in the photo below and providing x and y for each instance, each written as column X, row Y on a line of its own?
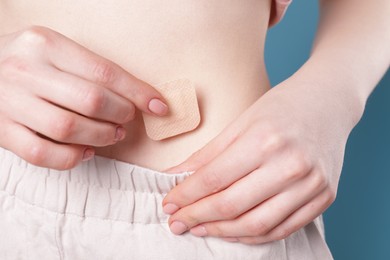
column 178, row 227
column 199, row 231
column 158, row 107
column 230, row 239
column 170, row 208
column 88, row 154
column 119, row 134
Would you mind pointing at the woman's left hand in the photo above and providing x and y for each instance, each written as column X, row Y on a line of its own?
column 270, row 172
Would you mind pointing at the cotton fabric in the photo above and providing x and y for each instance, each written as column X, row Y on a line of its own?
column 106, row 209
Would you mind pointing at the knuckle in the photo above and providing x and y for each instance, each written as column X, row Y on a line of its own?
column 330, row 197
column 300, row 161
column 319, row 181
column 104, row 73
column 212, row 181
column 125, row 114
column 94, row 101
column 69, row 162
column 63, row 127
column 257, row 227
column 130, row 114
column 104, row 136
column 36, row 154
column 226, row 208
column 299, row 166
column 273, row 141
column 36, row 36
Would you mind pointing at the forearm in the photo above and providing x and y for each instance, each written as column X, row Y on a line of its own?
column 351, row 51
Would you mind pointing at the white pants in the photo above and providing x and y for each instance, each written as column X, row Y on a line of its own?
column 105, row 209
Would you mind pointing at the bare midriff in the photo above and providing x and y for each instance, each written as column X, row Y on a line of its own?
column 219, row 45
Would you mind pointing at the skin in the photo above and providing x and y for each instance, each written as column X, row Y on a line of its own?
column 288, row 147
column 285, row 169
column 89, row 93
column 218, row 45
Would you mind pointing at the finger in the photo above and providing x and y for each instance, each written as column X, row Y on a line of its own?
column 215, row 147
column 296, row 221
column 62, row 125
column 38, row 151
column 82, row 96
column 216, row 175
column 95, row 68
column 268, row 213
column 223, row 170
column 255, row 187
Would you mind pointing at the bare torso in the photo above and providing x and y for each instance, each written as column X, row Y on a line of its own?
column 216, row 44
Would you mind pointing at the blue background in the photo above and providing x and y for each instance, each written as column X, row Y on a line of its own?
column 358, row 223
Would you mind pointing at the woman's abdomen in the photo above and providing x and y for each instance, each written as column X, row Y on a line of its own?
column 216, row 44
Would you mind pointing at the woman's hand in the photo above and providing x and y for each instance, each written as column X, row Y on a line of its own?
column 270, row 172
column 57, row 99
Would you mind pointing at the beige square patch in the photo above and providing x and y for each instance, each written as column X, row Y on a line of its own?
column 183, row 114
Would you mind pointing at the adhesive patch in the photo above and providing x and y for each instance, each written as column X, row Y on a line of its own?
column 183, row 113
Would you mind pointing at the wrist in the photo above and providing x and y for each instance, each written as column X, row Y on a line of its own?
column 334, row 86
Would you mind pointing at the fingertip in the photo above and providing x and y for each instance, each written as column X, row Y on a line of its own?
column 178, row 227
column 158, row 107
column 170, row 208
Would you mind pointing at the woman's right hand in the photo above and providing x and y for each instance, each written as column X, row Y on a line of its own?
column 58, row 99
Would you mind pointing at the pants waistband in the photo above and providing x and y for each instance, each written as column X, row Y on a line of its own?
column 101, row 188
